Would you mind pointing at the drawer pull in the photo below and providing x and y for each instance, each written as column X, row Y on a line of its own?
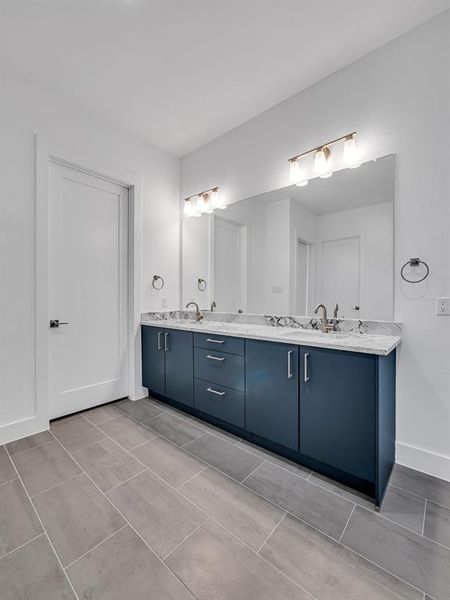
column 159, row 340
column 166, row 345
column 215, row 392
column 215, row 357
column 215, row 341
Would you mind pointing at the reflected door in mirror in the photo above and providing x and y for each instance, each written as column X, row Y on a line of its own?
column 229, row 265
column 340, row 276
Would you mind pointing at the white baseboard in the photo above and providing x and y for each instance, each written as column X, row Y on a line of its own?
column 432, row 463
column 19, row 429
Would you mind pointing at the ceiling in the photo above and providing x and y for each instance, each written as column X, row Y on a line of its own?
column 179, row 73
column 371, row 183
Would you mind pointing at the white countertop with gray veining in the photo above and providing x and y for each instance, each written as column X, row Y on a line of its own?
column 368, row 343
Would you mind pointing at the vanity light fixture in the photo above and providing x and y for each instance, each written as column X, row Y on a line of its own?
column 322, row 162
column 204, row 202
column 351, row 158
column 321, row 165
column 296, row 173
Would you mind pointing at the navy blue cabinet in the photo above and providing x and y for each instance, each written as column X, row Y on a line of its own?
column 179, row 366
column 337, row 409
column 271, row 392
column 331, row 410
column 167, row 363
column 153, row 359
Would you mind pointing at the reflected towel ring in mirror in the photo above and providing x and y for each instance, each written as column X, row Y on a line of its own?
column 415, row 262
column 157, row 282
column 201, row 284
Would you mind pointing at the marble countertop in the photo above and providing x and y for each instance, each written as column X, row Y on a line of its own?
column 368, row 343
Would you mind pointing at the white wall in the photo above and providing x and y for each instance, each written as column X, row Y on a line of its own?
column 397, row 98
column 25, row 109
column 373, row 226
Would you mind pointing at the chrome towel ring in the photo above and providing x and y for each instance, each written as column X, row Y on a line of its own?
column 415, row 262
column 157, row 282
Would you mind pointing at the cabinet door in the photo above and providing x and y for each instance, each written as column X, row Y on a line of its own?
column 178, row 346
column 272, row 392
column 153, row 359
column 337, row 409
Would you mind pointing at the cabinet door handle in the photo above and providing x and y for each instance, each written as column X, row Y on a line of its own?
column 215, row 357
column 290, row 375
column 305, row 367
column 159, row 340
column 215, row 392
column 166, row 345
column 215, row 341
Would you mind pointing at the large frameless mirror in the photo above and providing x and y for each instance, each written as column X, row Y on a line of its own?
column 286, row 250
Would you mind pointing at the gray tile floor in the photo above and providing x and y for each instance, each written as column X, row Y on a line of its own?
column 137, row 501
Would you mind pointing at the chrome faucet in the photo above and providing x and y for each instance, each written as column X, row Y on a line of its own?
column 198, row 314
column 324, row 319
column 335, row 312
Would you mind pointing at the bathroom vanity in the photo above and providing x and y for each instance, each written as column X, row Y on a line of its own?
column 326, row 401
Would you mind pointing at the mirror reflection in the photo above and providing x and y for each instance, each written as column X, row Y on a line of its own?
column 285, row 251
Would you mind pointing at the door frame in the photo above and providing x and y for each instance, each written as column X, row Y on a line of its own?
column 46, row 155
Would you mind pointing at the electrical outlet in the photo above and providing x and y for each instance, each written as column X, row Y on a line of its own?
column 163, row 302
column 443, row 306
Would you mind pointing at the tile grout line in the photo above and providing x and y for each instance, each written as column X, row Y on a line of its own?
column 22, row 546
column 271, row 533
column 304, row 477
column 45, row 532
column 32, row 448
column 195, row 439
column 125, row 519
column 424, row 516
column 346, row 525
column 186, row 538
column 52, row 487
column 96, row 546
column 411, row 585
column 421, row 497
column 191, row 478
column 9, row 481
column 254, row 470
column 125, row 481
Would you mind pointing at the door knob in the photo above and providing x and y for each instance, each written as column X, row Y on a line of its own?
column 56, row 323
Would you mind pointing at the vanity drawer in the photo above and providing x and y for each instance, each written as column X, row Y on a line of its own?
column 219, row 367
column 220, row 402
column 219, row 342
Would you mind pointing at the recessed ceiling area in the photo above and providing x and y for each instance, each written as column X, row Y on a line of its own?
column 181, row 73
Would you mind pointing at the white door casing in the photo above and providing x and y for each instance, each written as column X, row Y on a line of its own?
column 88, row 288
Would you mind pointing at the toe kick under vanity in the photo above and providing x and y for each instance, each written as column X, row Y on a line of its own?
column 326, row 401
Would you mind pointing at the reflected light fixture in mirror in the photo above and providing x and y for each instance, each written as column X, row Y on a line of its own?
column 203, row 203
column 351, row 158
column 297, row 174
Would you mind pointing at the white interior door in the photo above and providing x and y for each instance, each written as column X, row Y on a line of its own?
column 340, row 276
column 302, row 278
column 229, row 292
column 88, row 289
